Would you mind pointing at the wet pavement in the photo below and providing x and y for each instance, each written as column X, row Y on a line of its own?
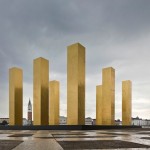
column 135, row 139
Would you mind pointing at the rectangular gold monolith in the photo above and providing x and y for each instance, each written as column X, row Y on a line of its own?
column 126, row 102
column 99, row 105
column 15, row 96
column 76, row 84
column 41, row 91
column 53, row 103
column 108, row 96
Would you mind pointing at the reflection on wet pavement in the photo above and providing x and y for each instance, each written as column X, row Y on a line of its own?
column 98, row 139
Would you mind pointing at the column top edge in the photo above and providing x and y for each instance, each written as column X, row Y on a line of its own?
column 54, row 81
column 108, row 68
column 75, row 44
column 127, row 81
column 15, row 68
column 41, row 58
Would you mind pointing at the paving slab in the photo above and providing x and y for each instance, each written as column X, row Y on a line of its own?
column 20, row 135
column 42, row 144
column 9, row 144
column 100, row 144
column 135, row 139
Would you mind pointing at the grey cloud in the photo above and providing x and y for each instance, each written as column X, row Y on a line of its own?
column 115, row 33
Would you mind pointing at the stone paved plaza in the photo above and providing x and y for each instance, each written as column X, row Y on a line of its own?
column 82, row 139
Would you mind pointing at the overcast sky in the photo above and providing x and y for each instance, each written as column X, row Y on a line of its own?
column 115, row 33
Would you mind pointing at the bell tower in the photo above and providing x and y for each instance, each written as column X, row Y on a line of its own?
column 29, row 111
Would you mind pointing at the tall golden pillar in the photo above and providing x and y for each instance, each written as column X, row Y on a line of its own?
column 108, row 96
column 15, row 96
column 99, row 105
column 126, row 102
column 76, row 84
column 41, row 91
column 54, row 103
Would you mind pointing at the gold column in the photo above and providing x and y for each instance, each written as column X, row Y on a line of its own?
column 126, row 102
column 108, row 96
column 76, row 84
column 40, row 91
column 99, row 105
column 15, row 96
column 54, row 103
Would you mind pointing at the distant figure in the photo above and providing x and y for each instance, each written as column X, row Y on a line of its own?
column 29, row 112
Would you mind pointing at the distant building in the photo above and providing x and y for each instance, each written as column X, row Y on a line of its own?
column 88, row 121
column 25, row 121
column 3, row 120
column 94, row 121
column 29, row 113
column 140, row 122
column 62, row 120
column 137, row 121
column 118, row 122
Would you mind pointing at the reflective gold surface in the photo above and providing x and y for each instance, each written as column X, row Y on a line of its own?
column 15, row 96
column 126, row 102
column 99, row 105
column 54, row 103
column 108, row 96
column 40, row 91
column 76, row 84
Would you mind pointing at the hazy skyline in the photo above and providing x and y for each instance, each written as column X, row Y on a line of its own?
column 115, row 33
